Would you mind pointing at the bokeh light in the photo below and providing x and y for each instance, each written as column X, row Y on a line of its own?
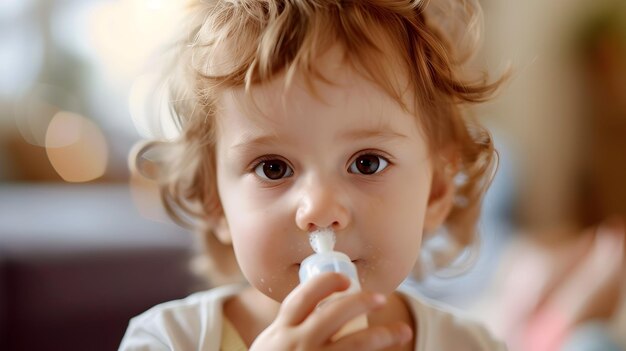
column 76, row 147
column 126, row 33
column 150, row 110
column 34, row 111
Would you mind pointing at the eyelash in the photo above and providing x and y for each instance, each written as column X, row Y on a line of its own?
column 378, row 154
column 260, row 161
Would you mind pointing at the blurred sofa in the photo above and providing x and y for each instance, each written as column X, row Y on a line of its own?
column 78, row 261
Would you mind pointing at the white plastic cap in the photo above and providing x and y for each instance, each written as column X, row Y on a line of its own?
column 326, row 260
column 330, row 261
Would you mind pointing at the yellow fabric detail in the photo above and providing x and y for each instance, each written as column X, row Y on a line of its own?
column 231, row 341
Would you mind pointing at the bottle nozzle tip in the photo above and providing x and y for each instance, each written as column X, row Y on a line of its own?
column 322, row 240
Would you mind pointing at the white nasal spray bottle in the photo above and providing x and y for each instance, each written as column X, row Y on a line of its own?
column 326, row 260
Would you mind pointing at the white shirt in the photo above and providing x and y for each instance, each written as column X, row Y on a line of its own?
column 195, row 323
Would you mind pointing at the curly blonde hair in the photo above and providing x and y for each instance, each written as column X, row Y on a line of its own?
column 237, row 43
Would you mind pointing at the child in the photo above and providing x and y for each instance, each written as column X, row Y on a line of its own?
column 297, row 115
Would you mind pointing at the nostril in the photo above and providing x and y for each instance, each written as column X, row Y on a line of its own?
column 316, row 228
column 321, row 212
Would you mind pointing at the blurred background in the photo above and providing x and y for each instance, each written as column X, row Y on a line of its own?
column 83, row 248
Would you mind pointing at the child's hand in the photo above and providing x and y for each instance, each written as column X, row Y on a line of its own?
column 590, row 292
column 301, row 326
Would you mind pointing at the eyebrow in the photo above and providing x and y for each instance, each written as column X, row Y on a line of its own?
column 385, row 133
column 380, row 133
column 252, row 141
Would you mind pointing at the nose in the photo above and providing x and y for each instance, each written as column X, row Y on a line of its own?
column 322, row 205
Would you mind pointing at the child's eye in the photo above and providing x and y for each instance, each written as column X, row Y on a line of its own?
column 368, row 164
column 273, row 169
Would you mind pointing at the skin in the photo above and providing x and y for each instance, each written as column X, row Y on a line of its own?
column 318, row 147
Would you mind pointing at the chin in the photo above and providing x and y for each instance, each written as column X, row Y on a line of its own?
column 278, row 289
column 379, row 282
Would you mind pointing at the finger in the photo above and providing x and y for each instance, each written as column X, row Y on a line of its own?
column 334, row 314
column 595, row 279
column 302, row 300
column 615, row 227
column 375, row 338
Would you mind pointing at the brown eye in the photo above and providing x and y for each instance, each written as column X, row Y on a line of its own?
column 368, row 164
column 273, row 170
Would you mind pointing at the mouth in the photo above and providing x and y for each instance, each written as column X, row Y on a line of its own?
column 355, row 261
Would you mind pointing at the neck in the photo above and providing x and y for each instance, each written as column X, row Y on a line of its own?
column 251, row 312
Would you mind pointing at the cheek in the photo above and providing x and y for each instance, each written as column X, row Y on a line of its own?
column 395, row 225
column 392, row 257
column 262, row 232
column 265, row 246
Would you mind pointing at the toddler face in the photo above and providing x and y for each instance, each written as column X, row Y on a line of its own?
column 290, row 162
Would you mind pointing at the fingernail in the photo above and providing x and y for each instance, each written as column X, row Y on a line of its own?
column 405, row 334
column 379, row 299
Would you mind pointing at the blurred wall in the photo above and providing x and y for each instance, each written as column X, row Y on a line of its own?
column 541, row 113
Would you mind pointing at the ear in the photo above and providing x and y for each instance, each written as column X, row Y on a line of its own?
column 441, row 198
column 222, row 231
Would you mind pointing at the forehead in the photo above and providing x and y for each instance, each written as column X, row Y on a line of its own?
column 341, row 90
column 296, row 113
